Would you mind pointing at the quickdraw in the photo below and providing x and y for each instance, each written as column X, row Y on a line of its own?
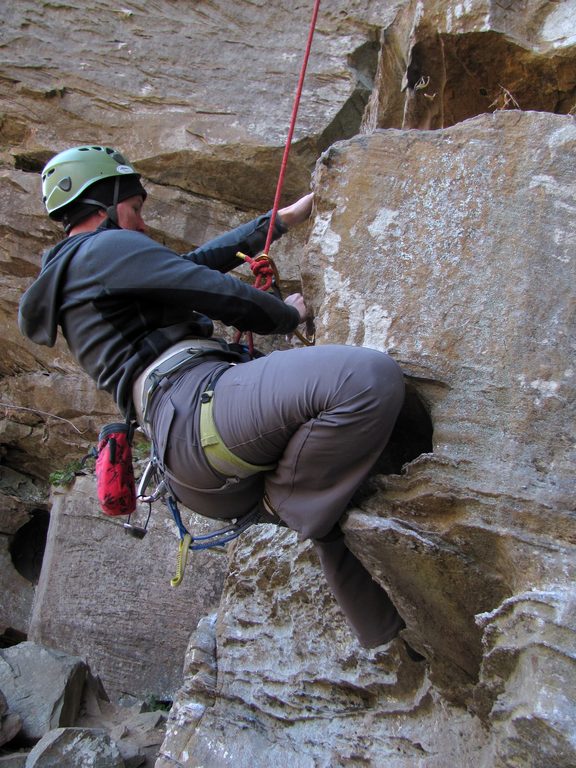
column 215, row 540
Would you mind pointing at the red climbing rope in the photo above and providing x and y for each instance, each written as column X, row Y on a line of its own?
column 262, row 266
column 292, row 126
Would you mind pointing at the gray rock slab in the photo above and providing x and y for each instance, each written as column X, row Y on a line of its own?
column 41, row 685
column 75, row 747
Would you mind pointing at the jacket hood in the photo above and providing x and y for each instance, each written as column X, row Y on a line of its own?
column 39, row 308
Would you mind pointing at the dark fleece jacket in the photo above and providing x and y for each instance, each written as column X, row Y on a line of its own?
column 121, row 299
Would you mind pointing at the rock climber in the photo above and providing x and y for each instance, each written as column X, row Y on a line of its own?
column 301, row 428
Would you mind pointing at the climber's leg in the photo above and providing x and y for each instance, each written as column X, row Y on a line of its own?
column 323, row 413
column 365, row 604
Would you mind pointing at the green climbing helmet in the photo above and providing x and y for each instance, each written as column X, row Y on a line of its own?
column 69, row 173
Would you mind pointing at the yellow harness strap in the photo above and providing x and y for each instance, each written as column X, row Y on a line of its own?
column 219, row 456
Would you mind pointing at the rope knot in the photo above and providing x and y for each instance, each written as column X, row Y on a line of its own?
column 262, row 269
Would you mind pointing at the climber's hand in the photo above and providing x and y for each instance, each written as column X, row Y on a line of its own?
column 298, row 211
column 296, row 300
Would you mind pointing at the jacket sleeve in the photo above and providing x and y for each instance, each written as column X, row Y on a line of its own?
column 250, row 238
column 134, row 266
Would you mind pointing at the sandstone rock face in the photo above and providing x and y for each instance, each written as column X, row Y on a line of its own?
column 435, row 246
column 120, row 611
column 277, row 680
column 450, row 248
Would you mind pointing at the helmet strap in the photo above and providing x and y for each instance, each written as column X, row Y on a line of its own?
column 112, row 211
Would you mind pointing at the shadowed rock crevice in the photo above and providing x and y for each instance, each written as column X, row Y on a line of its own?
column 11, row 637
column 483, row 72
column 411, row 436
column 363, row 65
column 31, row 162
column 451, row 78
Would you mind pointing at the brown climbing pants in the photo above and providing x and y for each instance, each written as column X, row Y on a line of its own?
column 324, row 414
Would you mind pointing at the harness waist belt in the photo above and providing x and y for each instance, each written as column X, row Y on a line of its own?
column 179, row 356
column 171, row 360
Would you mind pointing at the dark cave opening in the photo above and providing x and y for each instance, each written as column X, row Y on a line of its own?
column 411, row 436
column 28, row 545
column 452, row 78
column 11, row 637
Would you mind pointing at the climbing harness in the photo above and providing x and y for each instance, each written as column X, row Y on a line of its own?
column 263, row 266
column 184, row 354
column 180, row 356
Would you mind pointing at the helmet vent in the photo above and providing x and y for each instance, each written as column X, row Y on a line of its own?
column 65, row 184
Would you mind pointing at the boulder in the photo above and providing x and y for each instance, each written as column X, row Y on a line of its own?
column 73, row 747
column 137, row 730
column 99, row 728
column 42, row 686
column 10, row 722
